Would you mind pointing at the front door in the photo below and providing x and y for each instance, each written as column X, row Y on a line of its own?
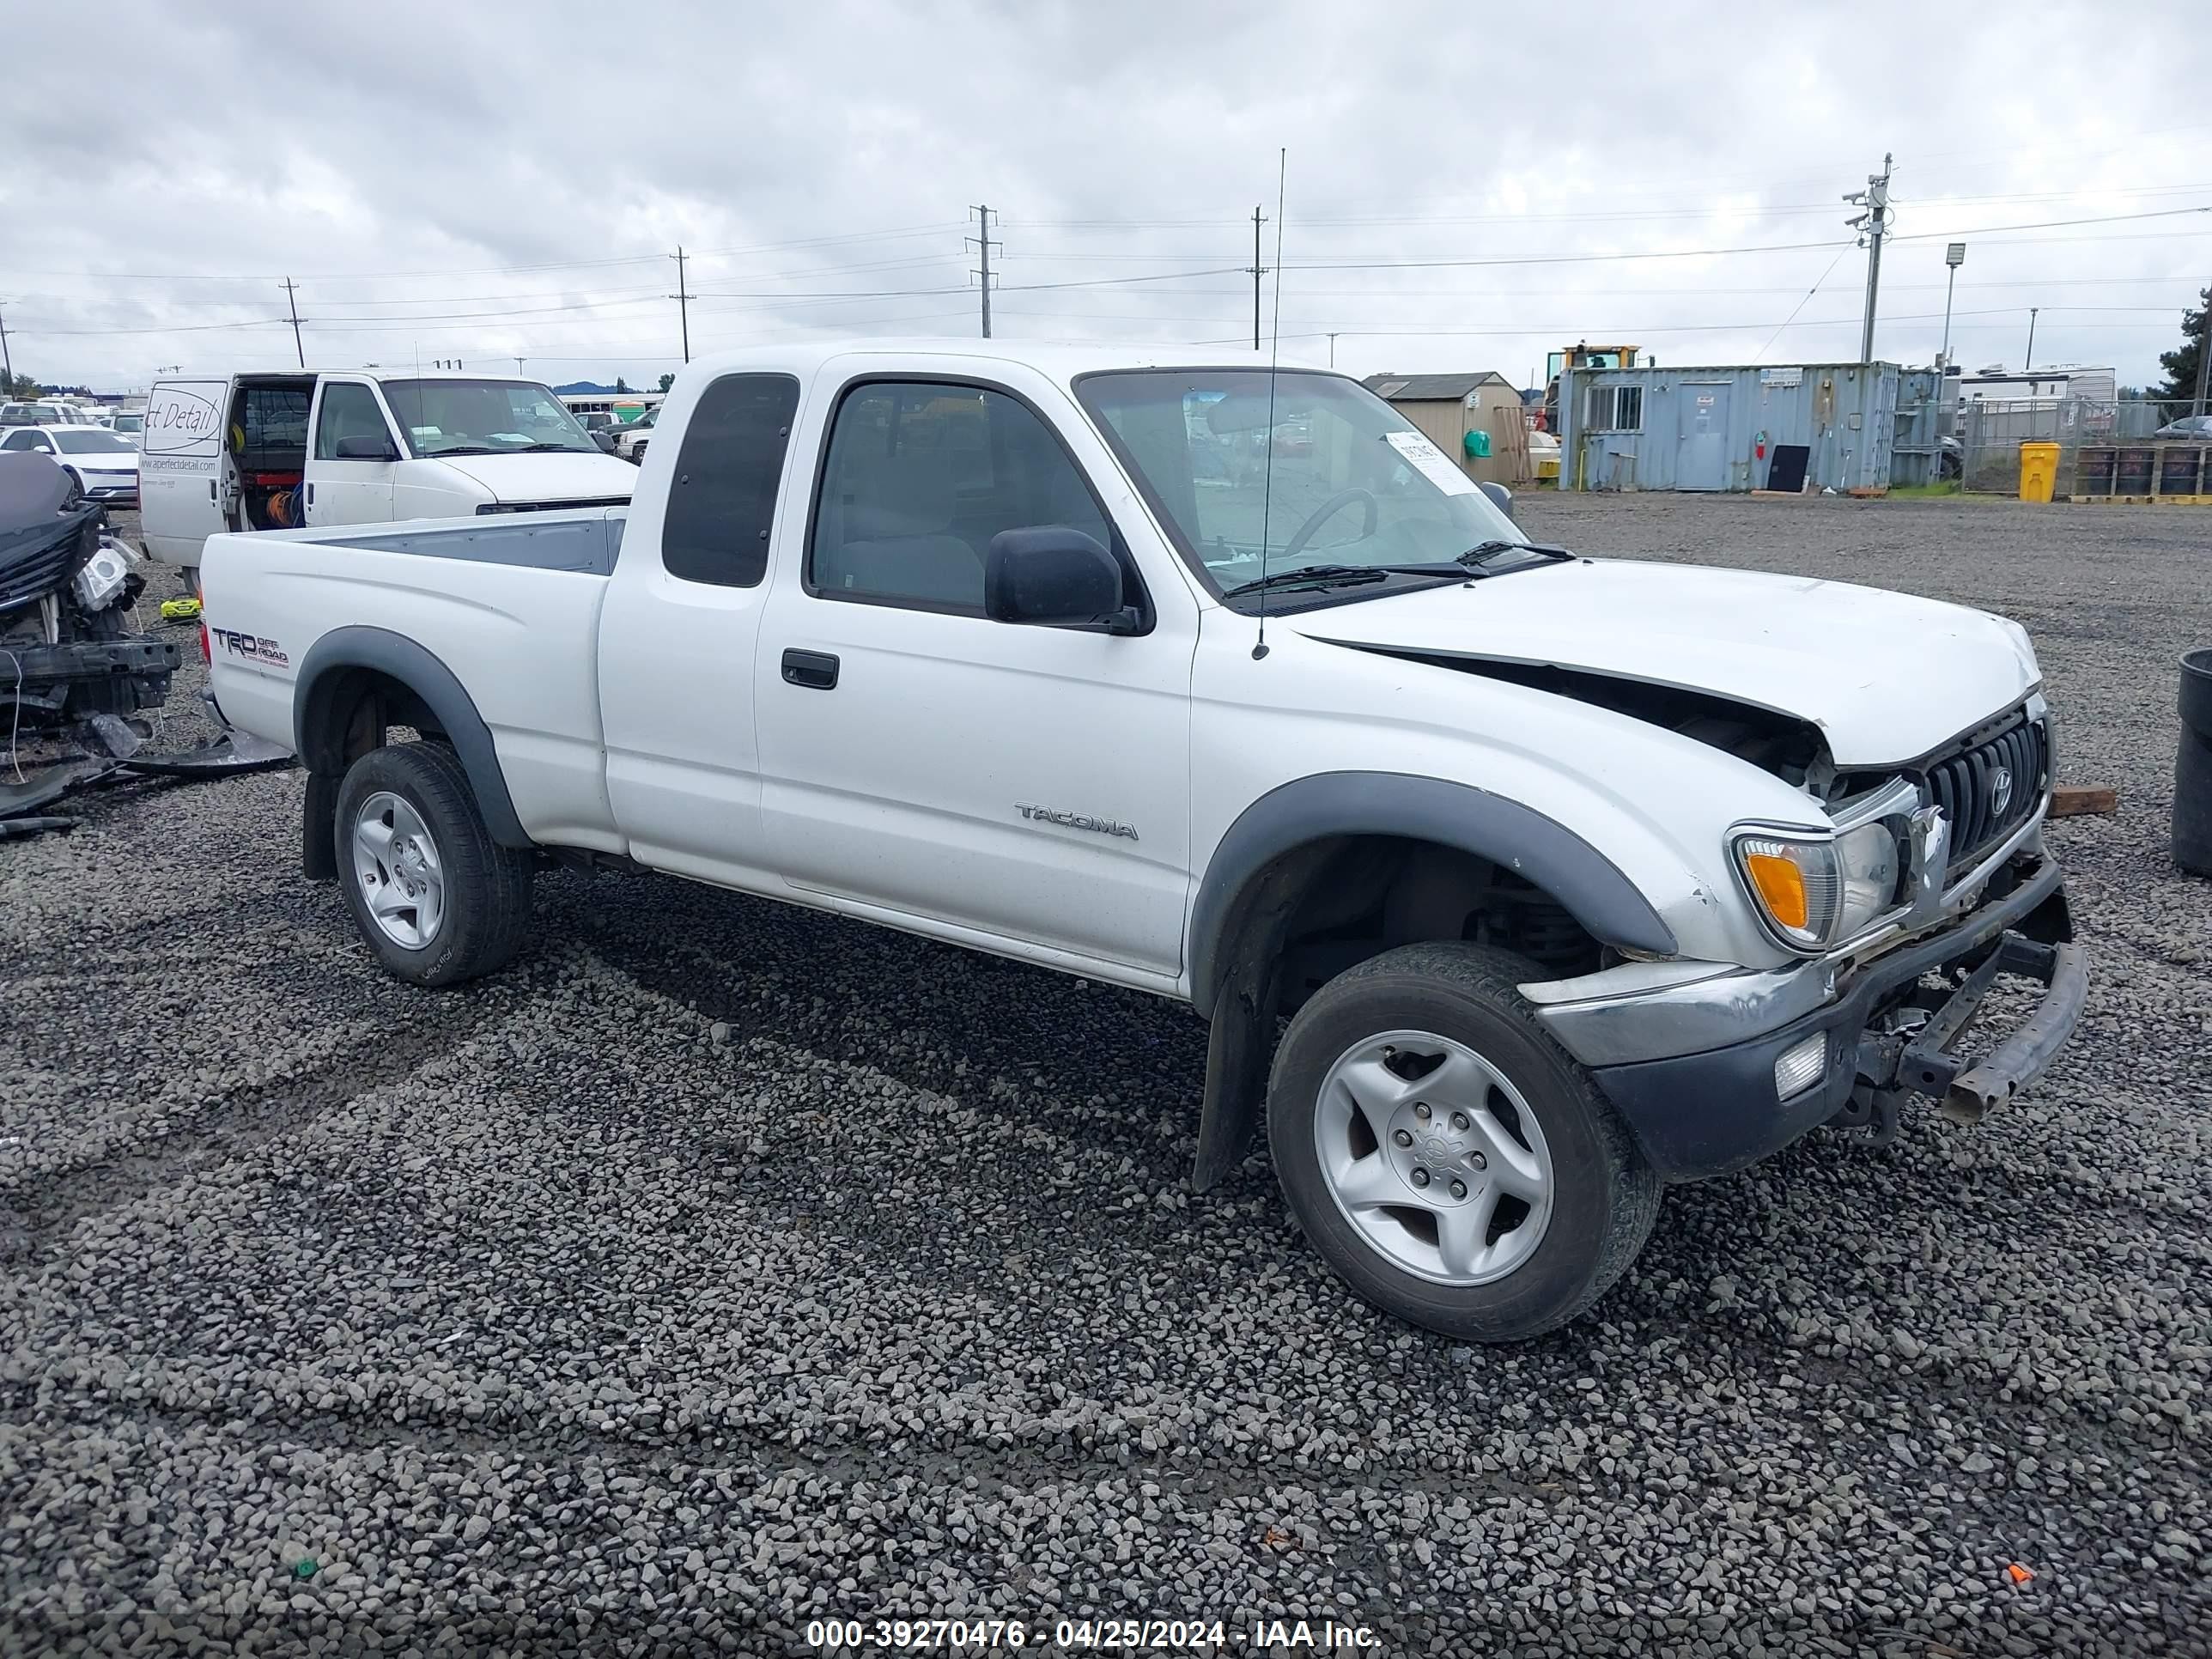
column 1028, row 783
column 1701, row 457
column 351, row 456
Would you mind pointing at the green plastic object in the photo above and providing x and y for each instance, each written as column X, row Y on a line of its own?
column 1478, row 444
column 304, row 1567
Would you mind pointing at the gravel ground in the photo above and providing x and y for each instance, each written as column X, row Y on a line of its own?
column 723, row 1266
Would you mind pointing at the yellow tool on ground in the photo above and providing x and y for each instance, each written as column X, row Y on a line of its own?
column 180, row 610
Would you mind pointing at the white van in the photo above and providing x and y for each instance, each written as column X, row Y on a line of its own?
column 280, row 451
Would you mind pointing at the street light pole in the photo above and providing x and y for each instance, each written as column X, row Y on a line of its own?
column 2203, row 359
column 1332, row 356
column 2029, row 362
column 1953, row 256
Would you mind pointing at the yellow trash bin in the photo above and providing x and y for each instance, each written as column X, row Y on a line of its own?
column 2038, row 472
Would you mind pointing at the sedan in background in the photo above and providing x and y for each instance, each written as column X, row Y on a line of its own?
column 2189, row 428
column 103, row 465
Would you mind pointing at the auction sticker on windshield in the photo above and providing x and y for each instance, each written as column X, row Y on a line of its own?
column 1429, row 462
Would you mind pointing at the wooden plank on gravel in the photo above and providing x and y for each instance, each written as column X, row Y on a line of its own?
column 2076, row 801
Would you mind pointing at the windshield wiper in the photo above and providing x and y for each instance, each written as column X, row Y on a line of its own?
column 464, row 449
column 1479, row 556
column 1339, row 576
column 540, row 449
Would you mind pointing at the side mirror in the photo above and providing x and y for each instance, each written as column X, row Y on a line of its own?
column 366, row 448
column 1052, row 576
column 1500, row 497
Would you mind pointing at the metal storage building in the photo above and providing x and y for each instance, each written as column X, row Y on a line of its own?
column 1868, row 426
column 1447, row 407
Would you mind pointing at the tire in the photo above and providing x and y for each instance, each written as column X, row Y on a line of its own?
column 1520, row 1134
column 456, row 912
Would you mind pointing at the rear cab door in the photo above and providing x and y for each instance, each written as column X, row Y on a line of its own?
column 352, row 454
column 182, row 484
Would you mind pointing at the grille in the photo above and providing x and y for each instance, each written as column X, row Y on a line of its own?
column 1991, row 789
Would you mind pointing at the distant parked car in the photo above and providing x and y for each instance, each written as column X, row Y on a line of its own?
column 2189, row 428
column 41, row 411
column 130, row 424
column 601, row 427
column 103, row 465
column 630, row 440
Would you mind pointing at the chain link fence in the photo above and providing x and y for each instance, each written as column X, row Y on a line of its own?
column 1991, row 432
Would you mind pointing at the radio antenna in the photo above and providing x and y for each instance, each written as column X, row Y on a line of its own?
column 1274, row 355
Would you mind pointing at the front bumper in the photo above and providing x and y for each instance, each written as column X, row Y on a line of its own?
column 1718, row 1110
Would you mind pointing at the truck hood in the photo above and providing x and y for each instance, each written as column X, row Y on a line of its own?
column 1885, row 677
column 546, row 477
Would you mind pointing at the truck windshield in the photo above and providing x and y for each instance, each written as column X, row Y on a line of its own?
column 483, row 418
column 1355, row 484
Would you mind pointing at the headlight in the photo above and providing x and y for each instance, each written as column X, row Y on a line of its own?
column 1817, row 891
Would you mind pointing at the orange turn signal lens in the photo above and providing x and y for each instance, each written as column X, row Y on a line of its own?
column 1781, row 887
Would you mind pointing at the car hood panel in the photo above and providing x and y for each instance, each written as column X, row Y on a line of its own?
column 1885, row 677
column 547, row 478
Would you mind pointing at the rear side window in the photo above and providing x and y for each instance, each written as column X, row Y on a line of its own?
column 722, row 503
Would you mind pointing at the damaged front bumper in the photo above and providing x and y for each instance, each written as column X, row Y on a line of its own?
column 1824, row 1042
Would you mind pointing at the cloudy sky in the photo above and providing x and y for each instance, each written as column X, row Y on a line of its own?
column 1469, row 185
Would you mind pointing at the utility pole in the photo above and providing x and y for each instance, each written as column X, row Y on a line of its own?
column 1871, row 226
column 682, row 298
column 1332, row 349
column 291, row 300
column 2028, row 361
column 2203, row 359
column 1258, row 272
column 982, row 245
column 519, row 362
column 7, row 365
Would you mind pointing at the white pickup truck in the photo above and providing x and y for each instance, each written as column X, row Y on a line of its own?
column 1573, row 878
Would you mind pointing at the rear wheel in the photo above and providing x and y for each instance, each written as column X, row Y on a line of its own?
column 436, row 898
column 1447, row 1157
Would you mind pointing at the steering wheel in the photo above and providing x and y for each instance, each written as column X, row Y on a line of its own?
column 1327, row 510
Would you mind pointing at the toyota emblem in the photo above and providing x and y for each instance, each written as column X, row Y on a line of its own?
column 2000, row 790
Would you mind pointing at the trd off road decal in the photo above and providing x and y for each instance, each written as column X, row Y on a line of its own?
column 251, row 647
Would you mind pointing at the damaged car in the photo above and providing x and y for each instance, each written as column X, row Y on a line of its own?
column 75, row 675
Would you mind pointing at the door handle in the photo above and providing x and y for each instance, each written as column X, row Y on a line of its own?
column 311, row 495
column 211, row 489
column 816, row 670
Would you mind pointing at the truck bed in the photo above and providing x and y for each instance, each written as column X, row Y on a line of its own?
column 511, row 600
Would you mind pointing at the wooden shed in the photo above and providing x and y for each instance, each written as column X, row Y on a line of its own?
column 1448, row 407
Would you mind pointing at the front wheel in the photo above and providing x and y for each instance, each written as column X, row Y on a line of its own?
column 436, row 898
column 1450, row 1161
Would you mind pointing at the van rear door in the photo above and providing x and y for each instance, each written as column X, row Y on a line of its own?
column 180, row 467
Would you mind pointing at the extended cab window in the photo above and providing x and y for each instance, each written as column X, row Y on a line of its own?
column 722, row 501
column 349, row 411
column 919, row 477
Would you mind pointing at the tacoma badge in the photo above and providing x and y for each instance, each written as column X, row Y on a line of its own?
column 1075, row 820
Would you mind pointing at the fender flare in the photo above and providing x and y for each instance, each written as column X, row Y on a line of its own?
column 411, row 664
column 1333, row 804
column 1252, row 884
